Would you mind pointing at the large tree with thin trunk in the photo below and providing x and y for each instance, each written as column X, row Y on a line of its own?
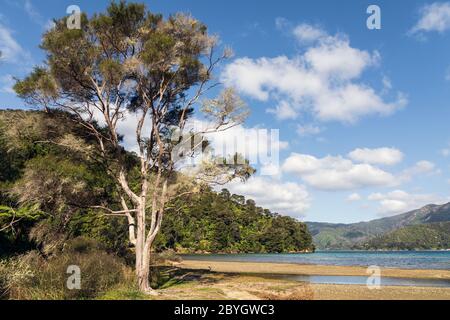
column 129, row 62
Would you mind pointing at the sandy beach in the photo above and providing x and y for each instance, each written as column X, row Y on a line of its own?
column 304, row 269
column 245, row 280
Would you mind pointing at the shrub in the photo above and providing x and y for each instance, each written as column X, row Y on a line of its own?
column 164, row 257
column 32, row 277
column 17, row 275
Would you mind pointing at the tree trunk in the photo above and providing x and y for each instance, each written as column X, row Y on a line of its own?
column 143, row 249
column 143, row 271
column 143, row 278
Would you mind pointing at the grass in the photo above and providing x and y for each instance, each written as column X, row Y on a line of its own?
column 124, row 293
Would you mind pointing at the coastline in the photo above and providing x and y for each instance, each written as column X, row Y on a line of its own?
column 247, row 281
column 307, row 269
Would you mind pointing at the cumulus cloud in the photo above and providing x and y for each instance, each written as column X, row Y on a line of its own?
column 336, row 173
column 333, row 173
column 323, row 80
column 282, row 197
column 422, row 167
column 399, row 201
column 433, row 17
column 385, row 156
column 284, row 111
column 308, row 33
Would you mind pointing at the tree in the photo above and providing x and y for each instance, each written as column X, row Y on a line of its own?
column 129, row 62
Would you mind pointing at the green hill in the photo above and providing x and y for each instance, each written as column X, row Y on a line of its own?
column 423, row 236
column 348, row 236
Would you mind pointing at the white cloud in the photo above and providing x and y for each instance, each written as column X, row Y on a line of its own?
column 433, row 17
column 127, row 127
column 399, row 201
column 354, row 197
column 323, row 80
column 308, row 33
column 11, row 50
column 336, row 173
column 386, row 156
column 282, row 197
column 284, row 111
column 422, row 167
column 308, row 130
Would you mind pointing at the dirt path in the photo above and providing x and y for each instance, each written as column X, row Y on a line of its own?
column 239, row 295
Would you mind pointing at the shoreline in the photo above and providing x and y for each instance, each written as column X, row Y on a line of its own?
column 210, row 280
column 307, row 269
column 246, row 280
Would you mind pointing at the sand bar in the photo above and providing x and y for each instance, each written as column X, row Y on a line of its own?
column 304, row 269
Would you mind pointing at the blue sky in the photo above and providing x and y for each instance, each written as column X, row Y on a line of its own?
column 363, row 114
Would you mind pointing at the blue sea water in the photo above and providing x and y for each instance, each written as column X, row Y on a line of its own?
column 439, row 260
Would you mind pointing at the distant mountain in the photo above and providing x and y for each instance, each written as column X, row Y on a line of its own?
column 356, row 235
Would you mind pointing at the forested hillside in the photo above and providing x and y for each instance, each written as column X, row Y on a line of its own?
column 222, row 221
column 48, row 190
column 415, row 237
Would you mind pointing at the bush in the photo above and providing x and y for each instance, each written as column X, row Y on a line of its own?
column 82, row 245
column 32, row 277
column 16, row 274
column 164, row 257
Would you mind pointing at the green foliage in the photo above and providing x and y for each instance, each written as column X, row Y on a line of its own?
column 415, row 237
column 220, row 222
column 111, row 232
column 38, row 88
column 14, row 225
column 124, row 292
column 45, row 187
column 31, row 213
column 127, row 43
column 31, row 276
